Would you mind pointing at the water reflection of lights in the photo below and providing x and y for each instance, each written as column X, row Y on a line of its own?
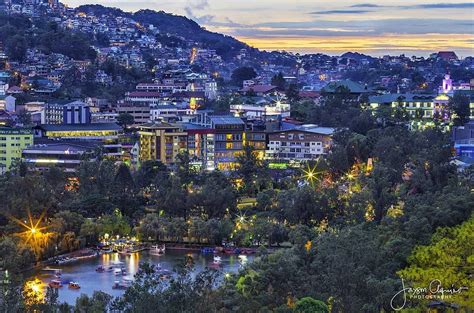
column 106, row 258
column 115, row 258
column 133, row 262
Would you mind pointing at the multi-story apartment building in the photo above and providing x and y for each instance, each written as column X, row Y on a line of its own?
column 169, row 87
column 262, row 112
column 139, row 110
column 161, row 141
column 200, row 145
column 306, row 142
column 12, row 142
column 76, row 112
column 151, row 97
column 229, row 140
column 255, row 136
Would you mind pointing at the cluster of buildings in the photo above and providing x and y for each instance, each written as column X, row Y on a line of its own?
column 424, row 108
column 164, row 116
column 212, row 142
column 166, row 120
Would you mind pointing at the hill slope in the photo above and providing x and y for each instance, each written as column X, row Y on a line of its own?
column 176, row 25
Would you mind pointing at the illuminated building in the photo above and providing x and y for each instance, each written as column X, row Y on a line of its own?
column 463, row 137
column 254, row 111
column 6, row 119
column 210, row 89
column 62, row 154
column 167, row 112
column 76, row 112
column 105, row 133
column 200, row 145
column 420, row 105
column 161, row 141
column 229, row 140
column 12, row 142
column 255, row 135
column 355, row 90
column 139, row 110
column 169, row 87
column 7, row 103
column 303, row 143
column 151, row 97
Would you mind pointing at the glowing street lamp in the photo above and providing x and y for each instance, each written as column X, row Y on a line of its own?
column 33, row 234
column 310, row 174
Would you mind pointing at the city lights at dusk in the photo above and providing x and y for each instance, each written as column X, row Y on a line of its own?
column 236, row 156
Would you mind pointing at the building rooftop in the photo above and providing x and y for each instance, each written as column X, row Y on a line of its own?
column 157, row 125
column 13, row 130
column 225, row 119
column 316, row 129
column 67, row 147
column 353, row 86
column 144, row 94
column 310, row 128
column 192, row 126
column 79, row 127
column 259, row 88
column 404, row 97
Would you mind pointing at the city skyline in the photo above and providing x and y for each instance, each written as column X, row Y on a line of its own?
column 394, row 27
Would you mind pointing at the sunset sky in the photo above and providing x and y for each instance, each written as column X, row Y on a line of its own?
column 375, row 27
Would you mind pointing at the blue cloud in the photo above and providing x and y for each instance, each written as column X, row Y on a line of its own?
column 463, row 5
column 366, row 5
column 341, row 12
column 459, row 5
column 323, row 27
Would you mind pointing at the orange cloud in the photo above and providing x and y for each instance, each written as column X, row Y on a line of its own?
column 376, row 44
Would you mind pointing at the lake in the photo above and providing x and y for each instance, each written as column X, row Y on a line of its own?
column 84, row 271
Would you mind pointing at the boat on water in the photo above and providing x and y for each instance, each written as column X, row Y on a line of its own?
column 117, row 271
column 55, row 283
column 124, row 284
column 74, row 285
column 100, row 269
column 128, row 251
column 157, row 250
column 65, row 260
